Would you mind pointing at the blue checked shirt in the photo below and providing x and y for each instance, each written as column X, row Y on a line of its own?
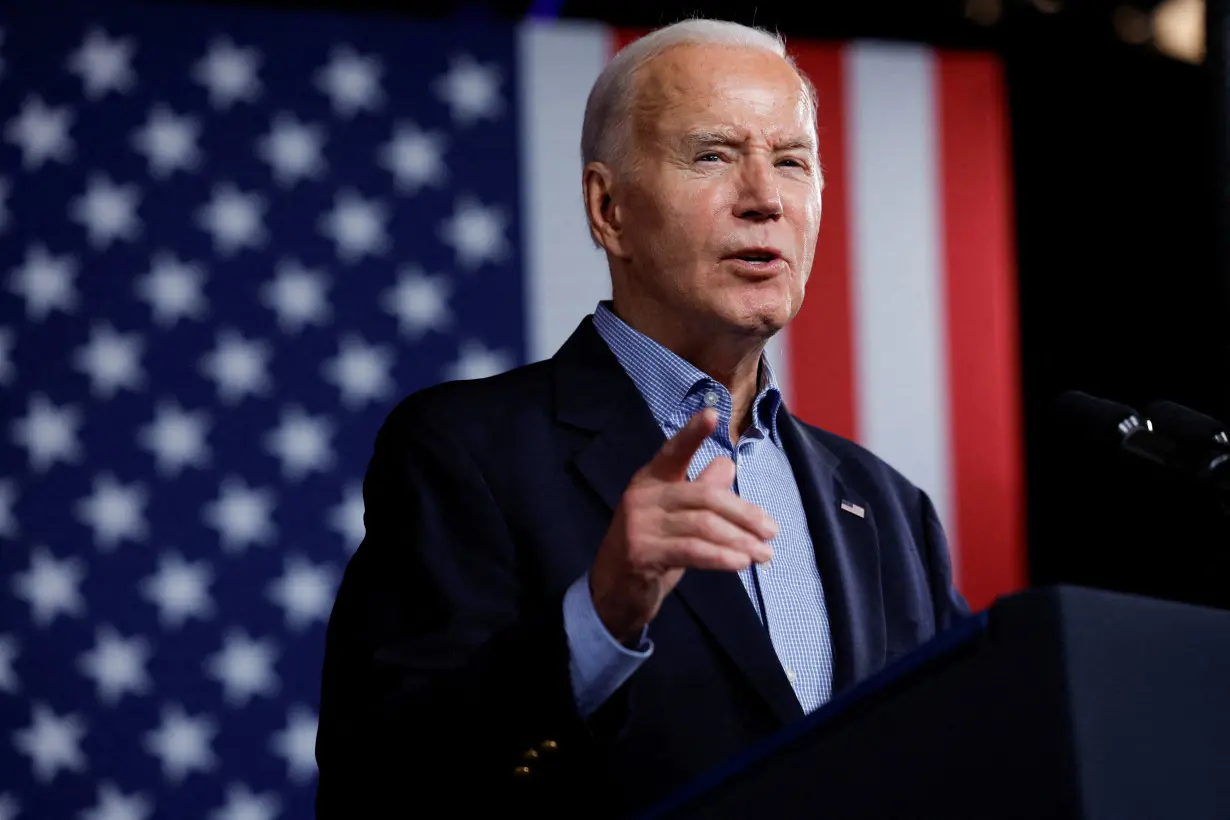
column 788, row 594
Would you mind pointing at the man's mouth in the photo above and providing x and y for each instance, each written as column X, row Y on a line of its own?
column 756, row 254
column 758, row 261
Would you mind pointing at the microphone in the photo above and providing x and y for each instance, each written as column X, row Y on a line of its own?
column 1203, row 442
column 1186, row 424
column 1114, row 425
column 1184, row 442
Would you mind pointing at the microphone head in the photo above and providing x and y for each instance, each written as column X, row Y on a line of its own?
column 1187, row 424
column 1102, row 420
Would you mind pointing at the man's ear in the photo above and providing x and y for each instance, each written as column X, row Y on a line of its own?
column 602, row 206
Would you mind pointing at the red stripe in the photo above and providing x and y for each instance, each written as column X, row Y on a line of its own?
column 982, row 343
column 822, row 386
column 620, row 37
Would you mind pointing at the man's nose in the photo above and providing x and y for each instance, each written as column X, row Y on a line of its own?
column 759, row 195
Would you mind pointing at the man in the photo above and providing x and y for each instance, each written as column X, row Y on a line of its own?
column 590, row 579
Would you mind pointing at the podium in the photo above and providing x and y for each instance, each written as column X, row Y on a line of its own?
column 1055, row 703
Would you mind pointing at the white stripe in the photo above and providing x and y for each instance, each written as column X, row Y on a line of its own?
column 902, row 372
column 565, row 276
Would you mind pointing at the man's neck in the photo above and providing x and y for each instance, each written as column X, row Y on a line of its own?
column 733, row 361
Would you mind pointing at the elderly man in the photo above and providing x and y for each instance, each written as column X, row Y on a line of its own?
column 587, row 580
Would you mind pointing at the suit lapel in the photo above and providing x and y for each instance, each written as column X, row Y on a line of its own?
column 847, row 555
column 594, row 393
column 720, row 602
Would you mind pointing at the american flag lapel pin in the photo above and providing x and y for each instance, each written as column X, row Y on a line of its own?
column 852, row 508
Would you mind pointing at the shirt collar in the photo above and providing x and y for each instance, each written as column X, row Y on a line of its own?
column 673, row 387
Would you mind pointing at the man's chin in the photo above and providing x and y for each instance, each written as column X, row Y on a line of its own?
column 760, row 321
column 765, row 317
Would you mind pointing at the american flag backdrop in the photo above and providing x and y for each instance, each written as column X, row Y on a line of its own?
column 231, row 240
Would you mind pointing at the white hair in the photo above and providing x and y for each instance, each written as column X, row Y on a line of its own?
column 607, row 128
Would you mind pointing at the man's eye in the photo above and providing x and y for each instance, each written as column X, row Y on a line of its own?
column 709, row 157
column 791, row 162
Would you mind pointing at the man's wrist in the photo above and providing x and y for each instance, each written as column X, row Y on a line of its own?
column 622, row 624
column 599, row 662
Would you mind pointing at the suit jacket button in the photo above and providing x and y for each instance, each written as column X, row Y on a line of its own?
column 548, row 746
column 522, row 771
column 529, row 755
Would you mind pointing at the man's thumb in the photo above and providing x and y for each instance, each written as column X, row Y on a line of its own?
column 671, row 462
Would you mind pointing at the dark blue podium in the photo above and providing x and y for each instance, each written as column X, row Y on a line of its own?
column 1055, row 703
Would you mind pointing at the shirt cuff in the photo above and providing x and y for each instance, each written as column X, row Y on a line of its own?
column 598, row 664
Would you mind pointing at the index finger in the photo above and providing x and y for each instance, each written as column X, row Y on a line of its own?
column 672, row 460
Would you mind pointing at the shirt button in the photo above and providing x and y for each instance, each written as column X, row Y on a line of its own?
column 711, row 398
column 789, row 675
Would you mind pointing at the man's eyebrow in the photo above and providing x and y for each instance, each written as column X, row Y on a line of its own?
column 796, row 144
column 707, row 137
column 701, row 139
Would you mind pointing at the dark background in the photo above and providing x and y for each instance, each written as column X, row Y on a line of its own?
column 1119, row 226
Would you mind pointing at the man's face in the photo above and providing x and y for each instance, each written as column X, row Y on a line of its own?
column 722, row 199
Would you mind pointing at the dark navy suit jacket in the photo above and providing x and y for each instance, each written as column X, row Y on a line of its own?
column 446, row 668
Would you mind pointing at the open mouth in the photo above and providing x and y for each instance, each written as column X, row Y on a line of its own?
column 761, row 260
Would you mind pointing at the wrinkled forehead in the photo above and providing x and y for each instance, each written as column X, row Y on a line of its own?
column 721, row 88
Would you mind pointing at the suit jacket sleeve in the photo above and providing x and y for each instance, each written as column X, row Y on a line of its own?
column 950, row 606
column 436, row 667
